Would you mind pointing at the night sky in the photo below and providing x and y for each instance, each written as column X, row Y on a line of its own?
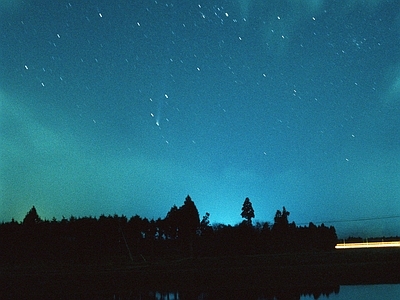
column 126, row 107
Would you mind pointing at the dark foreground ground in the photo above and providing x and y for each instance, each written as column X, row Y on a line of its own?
column 339, row 267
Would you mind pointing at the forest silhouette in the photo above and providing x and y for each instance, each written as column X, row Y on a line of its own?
column 113, row 255
column 180, row 234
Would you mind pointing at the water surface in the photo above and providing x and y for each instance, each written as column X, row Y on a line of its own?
column 378, row 291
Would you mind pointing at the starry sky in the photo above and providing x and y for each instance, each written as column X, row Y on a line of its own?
column 126, row 107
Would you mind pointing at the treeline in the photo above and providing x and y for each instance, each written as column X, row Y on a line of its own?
column 180, row 234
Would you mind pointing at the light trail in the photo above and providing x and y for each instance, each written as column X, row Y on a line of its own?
column 368, row 245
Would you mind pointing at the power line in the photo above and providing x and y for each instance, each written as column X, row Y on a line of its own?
column 353, row 220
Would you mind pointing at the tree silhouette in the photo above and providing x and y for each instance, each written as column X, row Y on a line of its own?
column 205, row 224
column 247, row 211
column 190, row 219
column 284, row 235
column 32, row 217
column 171, row 223
column 281, row 219
column 115, row 239
column 189, row 222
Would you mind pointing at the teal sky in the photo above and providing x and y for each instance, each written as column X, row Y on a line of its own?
column 115, row 107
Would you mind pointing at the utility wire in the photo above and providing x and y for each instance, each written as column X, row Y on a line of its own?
column 352, row 220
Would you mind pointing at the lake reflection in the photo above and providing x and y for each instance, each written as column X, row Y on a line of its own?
column 253, row 294
column 379, row 291
column 382, row 292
